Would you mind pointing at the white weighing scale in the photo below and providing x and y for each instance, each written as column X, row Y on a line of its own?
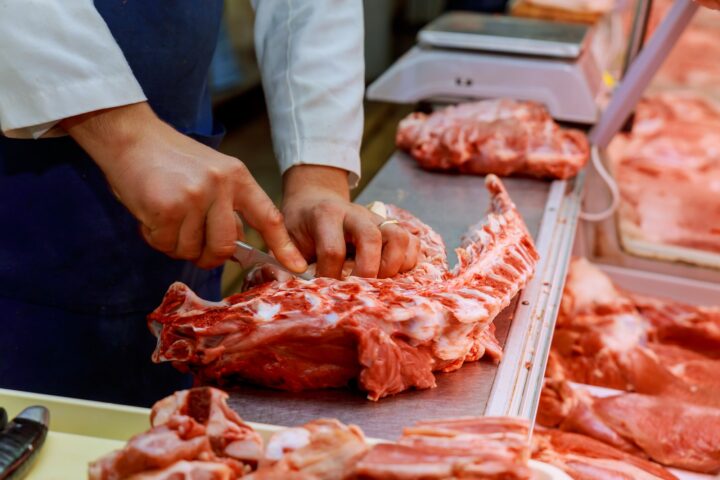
column 464, row 55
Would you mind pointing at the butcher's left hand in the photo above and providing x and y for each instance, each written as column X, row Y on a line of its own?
column 322, row 221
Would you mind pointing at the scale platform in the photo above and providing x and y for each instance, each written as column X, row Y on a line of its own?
column 464, row 55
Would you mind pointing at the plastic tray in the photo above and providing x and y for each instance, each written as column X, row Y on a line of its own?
column 81, row 431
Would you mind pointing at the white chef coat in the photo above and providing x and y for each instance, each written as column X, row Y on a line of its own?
column 59, row 59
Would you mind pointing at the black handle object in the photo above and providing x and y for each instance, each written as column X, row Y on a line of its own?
column 3, row 418
column 21, row 440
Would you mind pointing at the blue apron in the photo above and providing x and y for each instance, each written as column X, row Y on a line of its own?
column 76, row 278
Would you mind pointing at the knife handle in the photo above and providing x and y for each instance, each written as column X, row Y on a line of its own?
column 20, row 442
column 3, row 418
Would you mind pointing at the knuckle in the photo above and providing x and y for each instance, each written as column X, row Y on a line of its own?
column 326, row 208
column 239, row 168
column 216, row 175
column 333, row 253
column 239, row 171
column 373, row 237
column 166, row 209
column 404, row 239
column 274, row 218
column 194, row 194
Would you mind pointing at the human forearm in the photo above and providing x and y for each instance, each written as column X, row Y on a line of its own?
column 58, row 59
column 311, row 58
column 108, row 134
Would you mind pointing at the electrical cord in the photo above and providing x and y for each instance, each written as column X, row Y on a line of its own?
column 611, row 185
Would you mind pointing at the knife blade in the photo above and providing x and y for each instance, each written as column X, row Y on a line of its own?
column 249, row 256
column 20, row 442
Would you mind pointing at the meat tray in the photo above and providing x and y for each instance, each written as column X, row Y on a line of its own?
column 606, row 392
column 450, row 203
column 664, row 286
column 601, row 243
column 82, row 431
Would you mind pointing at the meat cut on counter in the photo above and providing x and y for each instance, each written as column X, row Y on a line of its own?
column 666, row 430
column 196, row 436
column 323, row 449
column 502, row 137
column 584, row 458
column 607, row 338
column 661, row 358
column 388, row 335
column 668, row 171
column 472, row 448
column 691, row 64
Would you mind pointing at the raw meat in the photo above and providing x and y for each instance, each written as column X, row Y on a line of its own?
column 479, row 448
column 602, row 339
column 575, row 11
column 503, row 137
column 692, row 63
column 194, row 436
column 668, row 171
column 584, row 458
column 389, row 334
column 688, row 326
column 184, row 470
column 671, row 432
column 713, row 4
column 320, row 450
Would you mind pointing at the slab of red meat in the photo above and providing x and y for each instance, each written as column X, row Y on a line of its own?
column 503, row 137
column 388, row 334
column 584, row 458
column 323, row 449
column 602, row 339
column 666, row 430
column 194, row 436
column 688, row 326
column 668, row 171
column 472, row 448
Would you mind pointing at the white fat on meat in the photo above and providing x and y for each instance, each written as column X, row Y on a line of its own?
column 588, row 287
column 323, row 449
column 288, row 440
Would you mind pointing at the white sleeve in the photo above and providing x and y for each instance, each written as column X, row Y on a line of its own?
column 58, row 59
column 311, row 58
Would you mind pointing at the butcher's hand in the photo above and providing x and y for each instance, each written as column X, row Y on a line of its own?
column 185, row 195
column 322, row 221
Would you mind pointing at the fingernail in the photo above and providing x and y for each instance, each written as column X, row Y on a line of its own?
column 298, row 263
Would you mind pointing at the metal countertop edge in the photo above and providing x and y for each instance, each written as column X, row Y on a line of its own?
column 516, row 388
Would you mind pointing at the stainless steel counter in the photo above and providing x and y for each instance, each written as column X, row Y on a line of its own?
column 449, row 204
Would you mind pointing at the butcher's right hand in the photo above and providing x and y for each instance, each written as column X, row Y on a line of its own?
column 185, row 195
